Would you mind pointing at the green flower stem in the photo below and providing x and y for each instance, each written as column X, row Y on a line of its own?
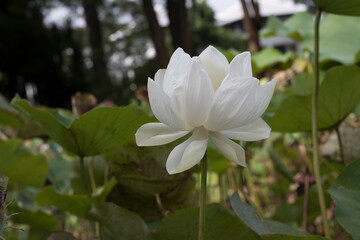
column 203, row 198
column 340, row 144
column 84, row 179
column 315, row 127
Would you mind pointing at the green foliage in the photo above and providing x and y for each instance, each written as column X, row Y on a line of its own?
column 248, row 215
column 338, row 96
column 343, row 7
column 346, row 193
column 97, row 131
column 299, row 27
column 287, row 237
column 339, row 39
column 265, row 59
column 61, row 235
column 184, row 225
column 8, row 116
column 339, row 35
column 76, row 204
column 268, row 57
column 217, row 162
column 141, row 174
column 119, row 223
column 42, row 224
column 20, row 165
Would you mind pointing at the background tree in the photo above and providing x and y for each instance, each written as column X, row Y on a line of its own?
column 157, row 34
column 252, row 23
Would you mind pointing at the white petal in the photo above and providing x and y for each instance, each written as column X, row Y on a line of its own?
column 238, row 102
column 215, row 64
column 197, row 95
column 254, row 131
column 175, row 71
column 189, row 153
column 264, row 95
column 162, row 106
column 153, row 134
column 240, row 66
column 232, row 151
column 159, row 77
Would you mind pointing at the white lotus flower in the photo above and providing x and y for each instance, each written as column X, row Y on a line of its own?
column 212, row 99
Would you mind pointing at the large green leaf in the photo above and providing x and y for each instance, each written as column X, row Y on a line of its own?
column 61, row 235
column 287, row 237
column 97, row 131
column 20, row 165
column 76, row 204
column 339, row 38
column 8, row 116
column 142, row 174
column 220, row 224
column 343, row 7
column 268, row 57
column 339, row 94
column 118, row 223
column 346, row 193
column 339, row 35
column 299, row 26
column 248, row 215
column 37, row 219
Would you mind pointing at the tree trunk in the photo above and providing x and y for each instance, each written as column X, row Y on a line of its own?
column 252, row 23
column 180, row 30
column 157, row 35
column 95, row 39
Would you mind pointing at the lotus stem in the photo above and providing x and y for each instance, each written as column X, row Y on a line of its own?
column 315, row 127
column 203, row 198
column 84, row 179
column 340, row 144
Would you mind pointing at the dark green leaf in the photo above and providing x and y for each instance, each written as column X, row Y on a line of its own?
column 20, row 165
column 217, row 162
column 61, row 235
column 339, row 94
column 76, row 204
column 97, row 131
column 248, row 215
column 343, row 7
column 346, row 193
column 119, row 223
column 287, row 237
column 37, row 219
column 279, row 164
column 220, row 224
